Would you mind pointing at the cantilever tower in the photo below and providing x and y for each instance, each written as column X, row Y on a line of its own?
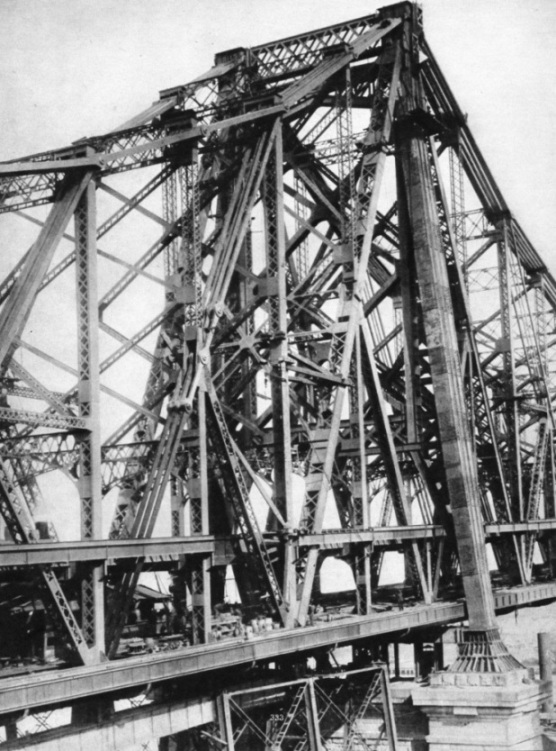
column 307, row 326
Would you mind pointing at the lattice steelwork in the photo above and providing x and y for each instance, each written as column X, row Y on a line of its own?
column 281, row 345
column 350, row 712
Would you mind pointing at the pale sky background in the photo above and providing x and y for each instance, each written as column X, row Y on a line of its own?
column 74, row 68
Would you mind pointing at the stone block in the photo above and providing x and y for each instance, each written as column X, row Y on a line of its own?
column 482, row 712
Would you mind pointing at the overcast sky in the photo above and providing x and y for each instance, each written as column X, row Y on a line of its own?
column 74, row 68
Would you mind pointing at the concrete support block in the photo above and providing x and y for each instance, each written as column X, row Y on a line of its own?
column 482, row 711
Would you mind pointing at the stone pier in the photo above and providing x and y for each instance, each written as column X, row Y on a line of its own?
column 484, row 702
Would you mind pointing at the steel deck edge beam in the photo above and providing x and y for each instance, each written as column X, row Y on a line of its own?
column 44, row 553
column 63, row 687
column 66, row 552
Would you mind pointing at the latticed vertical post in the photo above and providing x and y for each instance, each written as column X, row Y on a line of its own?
column 360, row 486
column 346, row 179
column 90, row 481
column 188, row 265
column 408, row 315
column 245, row 295
column 199, row 573
column 171, row 256
column 549, row 490
column 506, row 346
column 302, row 252
column 542, row 316
column 169, row 212
column 346, row 175
column 273, row 191
column 345, row 251
column 545, row 326
column 458, row 216
column 168, row 337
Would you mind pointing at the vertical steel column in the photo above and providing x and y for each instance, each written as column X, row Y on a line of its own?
column 169, row 212
column 11, row 729
column 438, row 318
column 396, row 646
column 358, row 512
column 388, row 706
column 360, row 488
column 543, row 317
column 245, row 298
column 457, row 448
column 409, row 314
column 273, row 191
column 187, row 264
column 198, row 568
column 544, row 326
column 506, row 346
column 302, row 252
column 313, row 724
column 225, row 721
column 90, row 481
column 458, row 215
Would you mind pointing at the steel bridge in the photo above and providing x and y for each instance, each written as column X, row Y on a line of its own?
column 280, row 324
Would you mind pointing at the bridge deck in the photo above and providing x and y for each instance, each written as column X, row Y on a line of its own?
column 60, row 687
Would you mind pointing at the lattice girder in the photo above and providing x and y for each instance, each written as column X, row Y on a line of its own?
column 288, row 332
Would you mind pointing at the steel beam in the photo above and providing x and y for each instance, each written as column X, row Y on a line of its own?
column 88, row 388
column 438, row 316
column 18, row 306
column 63, row 687
column 161, row 548
column 94, row 551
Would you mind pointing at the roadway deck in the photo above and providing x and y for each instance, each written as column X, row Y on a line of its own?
column 59, row 687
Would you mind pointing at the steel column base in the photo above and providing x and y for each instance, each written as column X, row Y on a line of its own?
column 484, row 652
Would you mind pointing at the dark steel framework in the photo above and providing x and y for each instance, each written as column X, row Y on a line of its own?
column 308, row 326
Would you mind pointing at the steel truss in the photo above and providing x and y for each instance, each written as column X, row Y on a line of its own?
column 349, row 711
column 290, row 341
